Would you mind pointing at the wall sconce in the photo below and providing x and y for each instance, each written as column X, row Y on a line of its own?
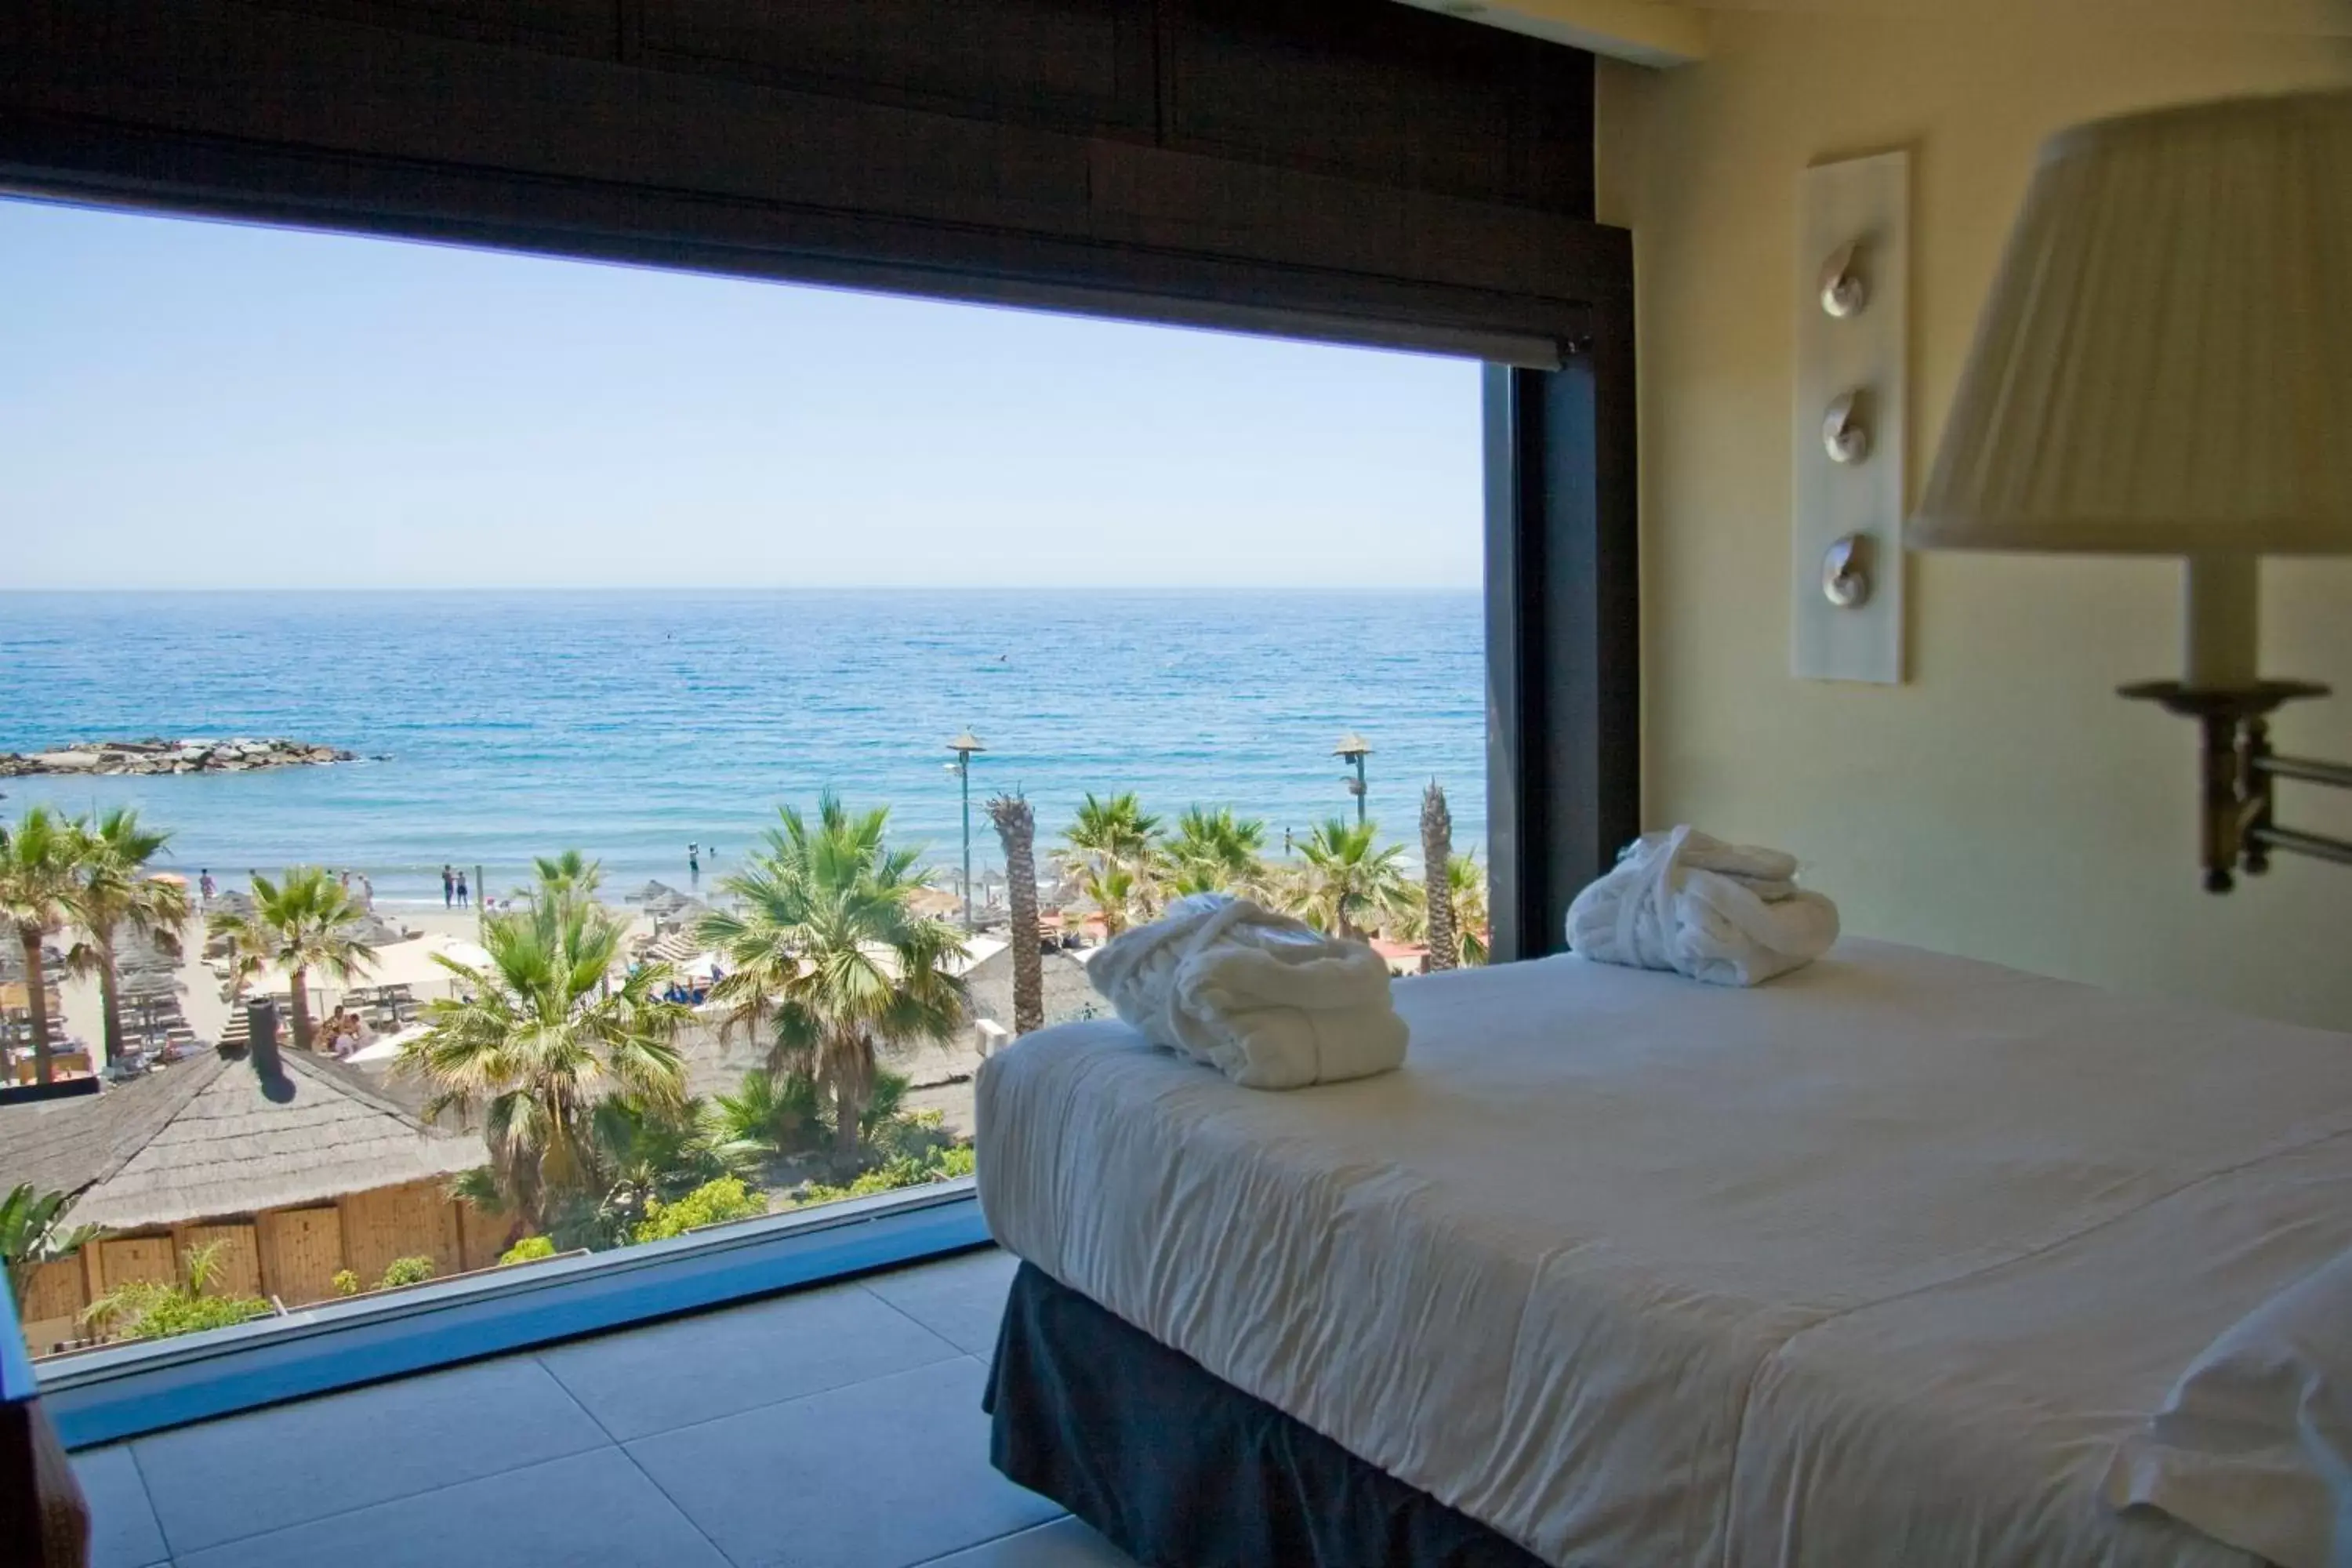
column 1845, row 613
column 1845, row 428
column 2164, row 367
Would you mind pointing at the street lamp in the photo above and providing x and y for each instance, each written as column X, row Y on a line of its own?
column 1354, row 748
column 963, row 746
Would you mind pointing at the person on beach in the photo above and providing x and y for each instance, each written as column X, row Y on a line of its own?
column 204, row 889
column 461, row 890
column 367, row 892
column 448, row 888
column 694, row 862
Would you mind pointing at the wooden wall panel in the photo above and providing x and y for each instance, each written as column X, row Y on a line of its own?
column 414, row 1221
column 55, row 1291
column 123, row 1260
column 481, row 1237
column 237, row 1270
column 45, row 1335
column 54, row 1299
column 300, row 1251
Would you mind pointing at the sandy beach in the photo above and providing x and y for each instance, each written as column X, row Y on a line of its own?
column 941, row 1075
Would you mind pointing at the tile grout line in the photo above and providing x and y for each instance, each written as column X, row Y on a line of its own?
column 921, row 1563
column 130, row 1452
column 795, row 1399
column 388, row 1503
column 956, row 1353
column 910, row 1317
column 992, row 1540
column 652, row 1480
column 378, row 1503
column 676, row 1507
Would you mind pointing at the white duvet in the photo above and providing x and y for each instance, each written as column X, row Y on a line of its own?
column 1873, row 1265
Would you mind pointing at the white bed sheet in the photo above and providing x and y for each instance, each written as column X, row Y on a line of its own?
column 1870, row 1265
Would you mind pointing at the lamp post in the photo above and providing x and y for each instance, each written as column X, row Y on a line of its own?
column 1353, row 748
column 963, row 746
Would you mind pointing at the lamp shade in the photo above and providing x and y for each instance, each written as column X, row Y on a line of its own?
column 2165, row 362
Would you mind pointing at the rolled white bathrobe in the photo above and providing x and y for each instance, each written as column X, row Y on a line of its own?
column 1264, row 999
column 1728, row 914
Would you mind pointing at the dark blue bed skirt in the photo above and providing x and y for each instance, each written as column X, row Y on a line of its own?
column 1181, row 1469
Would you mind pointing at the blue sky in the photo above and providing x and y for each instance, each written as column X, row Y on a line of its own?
column 189, row 405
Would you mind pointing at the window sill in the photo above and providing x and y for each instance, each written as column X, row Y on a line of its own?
column 127, row 1390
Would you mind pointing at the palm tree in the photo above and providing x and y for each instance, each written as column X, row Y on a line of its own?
column 778, row 1112
column 300, row 923
column 33, row 1232
column 643, row 1152
column 1214, row 852
column 1437, row 885
column 1348, row 884
column 1016, row 828
column 1114, row 832
column 1467, row 883
column 36, row 858
column 111, row 896
column 1115, row 892
column 570, row 875
column 1112, row 848
column 537, row 1042
column 1117, row 829
column 784, row 1116
column 828, row 952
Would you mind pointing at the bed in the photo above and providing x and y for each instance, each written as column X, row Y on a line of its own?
column 1875, row 1264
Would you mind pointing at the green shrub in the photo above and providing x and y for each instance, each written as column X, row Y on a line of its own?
column 528, row 1248
column 713, row 1203
column 153, row 1310
column 934, row 1164
column 407, row 1271
column 148, row 1311
column 786, row 1114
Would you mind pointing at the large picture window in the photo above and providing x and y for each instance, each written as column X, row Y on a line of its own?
column 1186, row 162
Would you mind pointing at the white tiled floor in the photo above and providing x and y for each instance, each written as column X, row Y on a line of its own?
column 834, row 1428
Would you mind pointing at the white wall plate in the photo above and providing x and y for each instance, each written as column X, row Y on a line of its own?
column 1853, row 303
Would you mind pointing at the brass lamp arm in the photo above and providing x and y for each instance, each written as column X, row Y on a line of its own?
column 2240, row 771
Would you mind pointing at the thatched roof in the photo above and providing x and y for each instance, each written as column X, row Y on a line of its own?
column 65, row 1145
column 677, row 947
column 211, row 1137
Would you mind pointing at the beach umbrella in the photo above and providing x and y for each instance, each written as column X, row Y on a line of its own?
column 677, row 947
column 377, row 932
column 385, row 1050
column 473, row 955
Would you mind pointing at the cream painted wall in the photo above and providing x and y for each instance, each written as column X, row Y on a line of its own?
column 2003, row 803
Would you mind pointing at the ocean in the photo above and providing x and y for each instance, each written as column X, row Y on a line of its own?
column 499, row 725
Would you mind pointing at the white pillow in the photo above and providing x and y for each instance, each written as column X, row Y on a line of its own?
column 2253, row 1446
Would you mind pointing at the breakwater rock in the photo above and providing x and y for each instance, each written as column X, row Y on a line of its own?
column 159, row 757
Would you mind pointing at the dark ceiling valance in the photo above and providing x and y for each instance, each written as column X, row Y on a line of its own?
column 1340, row 168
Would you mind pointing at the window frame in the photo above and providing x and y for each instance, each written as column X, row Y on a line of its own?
column 128, row 1389
column 230, row 112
